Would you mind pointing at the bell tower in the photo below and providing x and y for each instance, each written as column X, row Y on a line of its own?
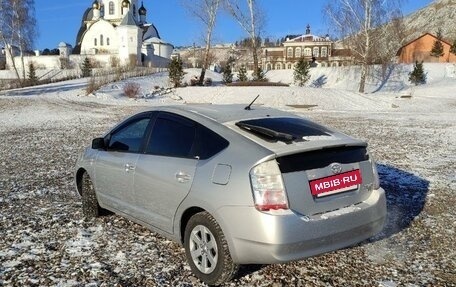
column 96, row 10
column 130, row 36
column 117, row 9
column 142, row 14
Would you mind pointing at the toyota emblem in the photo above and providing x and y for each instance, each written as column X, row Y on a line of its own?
column 336, row 168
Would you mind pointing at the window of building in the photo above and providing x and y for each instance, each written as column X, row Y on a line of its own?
column 278, row 66
column 324, row 51
column 269, row 67
column 95, row 41
column 101, row 40
column 298, row 53
column 289, row 67
column 111, row 8
column 290, row 52
column 316, row 52
column 107, row 42
column 307, row 52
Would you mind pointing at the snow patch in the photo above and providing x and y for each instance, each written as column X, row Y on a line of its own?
column 84, row 242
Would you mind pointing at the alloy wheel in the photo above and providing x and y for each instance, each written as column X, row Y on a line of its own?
column 203, row 249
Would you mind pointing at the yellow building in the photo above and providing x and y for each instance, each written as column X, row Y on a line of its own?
column 316, row 49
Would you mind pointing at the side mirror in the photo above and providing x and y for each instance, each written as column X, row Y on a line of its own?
column 98, row 143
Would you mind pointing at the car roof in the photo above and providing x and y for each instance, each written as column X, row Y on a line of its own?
column 227, row 113
column 219, row 117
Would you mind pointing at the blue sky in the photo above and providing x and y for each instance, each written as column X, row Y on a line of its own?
column 60, row 20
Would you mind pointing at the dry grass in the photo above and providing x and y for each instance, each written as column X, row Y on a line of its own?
column 131, row 89
column 93, row 84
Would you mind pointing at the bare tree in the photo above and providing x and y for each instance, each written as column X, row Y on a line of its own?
column 17, row 29
column 392, row 37
column 251, row 18
column 205, row 11
column 357, row 22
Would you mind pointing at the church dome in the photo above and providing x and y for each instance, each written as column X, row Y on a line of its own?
column 142, row 10
column 125, row 4
column 151, row 31
column 96, row 5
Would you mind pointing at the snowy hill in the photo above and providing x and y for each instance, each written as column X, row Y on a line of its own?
column 439, row 14
column 330, row 89
column 395, row 78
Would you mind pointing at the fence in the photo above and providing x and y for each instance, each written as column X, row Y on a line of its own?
column 101, row 75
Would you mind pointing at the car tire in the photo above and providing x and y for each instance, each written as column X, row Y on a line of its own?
column 90, row 207
column 207, row 250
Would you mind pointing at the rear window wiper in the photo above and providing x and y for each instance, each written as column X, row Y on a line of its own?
column 272, row 134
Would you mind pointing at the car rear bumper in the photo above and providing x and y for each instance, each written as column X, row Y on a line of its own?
column 262, row 238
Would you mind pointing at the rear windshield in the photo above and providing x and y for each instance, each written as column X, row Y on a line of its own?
column 283, row 129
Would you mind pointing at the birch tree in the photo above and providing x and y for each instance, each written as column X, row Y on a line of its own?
column 206, row 12
column 357, row 21
column 251, row 19
column 17, row 30
column 392, row 37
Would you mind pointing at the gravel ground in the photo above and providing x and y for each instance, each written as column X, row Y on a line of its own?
column 45, row 242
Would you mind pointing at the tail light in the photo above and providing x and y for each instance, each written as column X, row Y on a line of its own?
column 268, row 188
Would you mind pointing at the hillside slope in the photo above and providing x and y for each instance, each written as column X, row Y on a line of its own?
column 347, row 78
column 439, row 14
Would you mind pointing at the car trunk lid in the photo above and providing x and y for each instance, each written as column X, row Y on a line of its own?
column 323, row 170
column 326, row 179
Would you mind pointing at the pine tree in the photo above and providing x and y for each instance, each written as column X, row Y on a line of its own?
column 302, row 72
column 33, row 79
column 258, row 75
column 86, row 68
column 228, row 71
column 242, row 74
column 417, row 76
column 453, row 48
column 437, row 48
column 176, row 72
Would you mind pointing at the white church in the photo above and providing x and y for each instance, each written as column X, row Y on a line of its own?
column 109, row 29
column 119, row 27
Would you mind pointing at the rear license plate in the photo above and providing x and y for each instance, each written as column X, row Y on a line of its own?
column 336, row 183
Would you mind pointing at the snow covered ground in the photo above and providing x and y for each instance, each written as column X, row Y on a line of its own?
column 45, row 242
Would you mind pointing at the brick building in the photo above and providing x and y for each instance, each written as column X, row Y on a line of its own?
column 420, row 50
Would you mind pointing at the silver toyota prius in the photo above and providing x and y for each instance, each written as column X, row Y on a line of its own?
column 235, row 185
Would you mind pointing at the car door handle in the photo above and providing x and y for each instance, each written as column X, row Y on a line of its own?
column 129, row 167
column 182, row 177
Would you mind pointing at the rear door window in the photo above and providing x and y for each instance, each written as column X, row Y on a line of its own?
column 208, row 143
column 172, row 135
